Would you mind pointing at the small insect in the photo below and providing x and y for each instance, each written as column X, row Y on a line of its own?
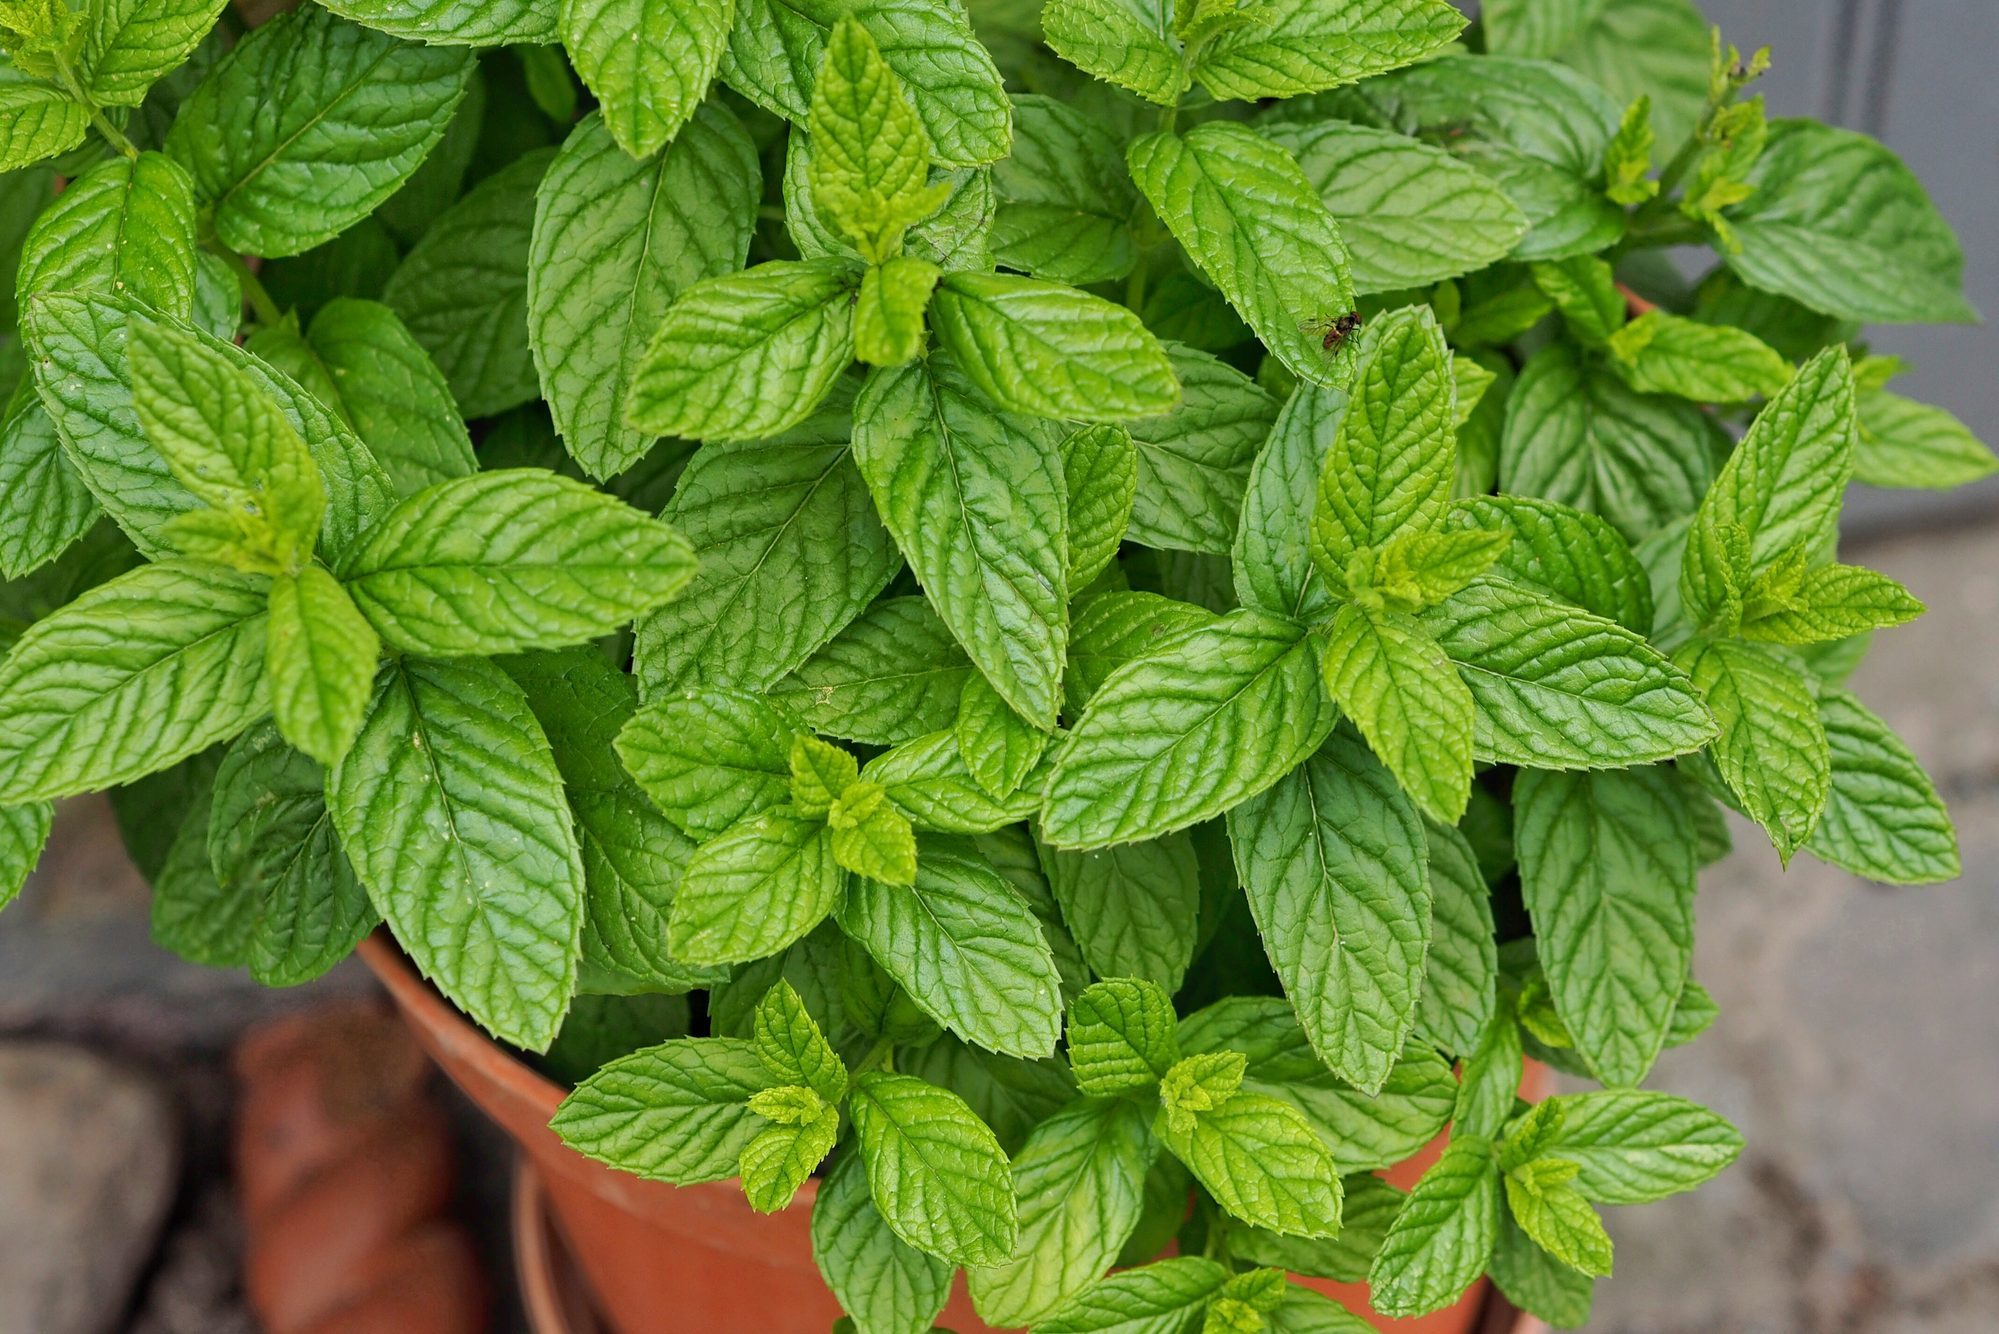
column 1339, row 330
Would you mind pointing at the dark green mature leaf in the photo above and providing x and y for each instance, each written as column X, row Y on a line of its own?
column 128, row 44
column 1193, row 461
column 894, row 674
column 463, row 290
column 1295, row 47
column 677, row 1112
column 452, row 809
column 1636, row 1145
column 458, row 22
column 1159, row 1298
column 937, row 1174
column 1080, row 1182
column 130, row 677
column 510, row 560
column 44, row 504
column 1443, row 1237
column 1334, row 864
column 1272, row 557
column 1411, row 214
column 975, row 500
column 1607, row 868
column 649, row 62
column 1221, row 714
column 23, row 831
column 1065, row 201
column 1883, row 818
column 1113, row 628
column 1250, row 219
column 615, row 240
column 884, row 1283
column 1461, row 972
column 1571, row 555
column 1134, row 908
column 966, row 947
column 37, row 121
column 709, row 758
column 309, row 124
column 1536, row 1281
column 1121, row 1036
column 125, row 226
column 1838, row 223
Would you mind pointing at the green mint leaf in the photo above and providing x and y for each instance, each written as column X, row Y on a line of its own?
column 1194, row 460
column 1271, row 558
column 1584, row 290
column 1218, row 716
column 793, row 1049
column 1628, row 159
column 1607, row 868
column 1535, row 1281
column 1121, row 1036
column 1443, row 1237
column 894, row 674
column 870, row 153
column 503, row 561
column 754, row 889
column 1418, row 570
column 191, row 914
column 1051, row 351
column 782, row 1157
column 1658, row 353
column 1575, row 557
column 459, row 22
column 1557, row 1218
column 1395, row 681
column 1134, row 908
column 1259, row 1158
column 974, row 499
column 1370, row 1205
column 928, row 781
column 131, row 676
column 677, row 1112
column 871, row 837
column 999, row 747
column 1836, row 222
column 308, row 125
column 24, row 829
column 1100, row 467
column 1333, row 861
column 1883, row 818
column 1391, row 464
column 1634, row 1146
column 452, row 809
column 1560, row 689
column 633, row 856
column 320, row 657
column 1252, row 222
column 746, row 354
column 1065, row 201
column 36, row 122
column 615, row 240
column 889, row 310
column 1906, row 443
column 358, row 359
column 649, row 62
column 271, row 843
column 125, row 226
column 1833, row 602
column 819, row 774
column 967, row 949
column 1489, row 1078
column 1199, row 1083
column 937, row 1174
column 1128, row 43
column 1162, row 1296
column 1294, row 47
column 44, row 505
column 884, row 1283
column 462, row 290
column 1113, row 628
column 1410, row 213
column 128, row 46
column 1461, row 971
column 1080, row 1181
column 1772, row 749
column 709, row 758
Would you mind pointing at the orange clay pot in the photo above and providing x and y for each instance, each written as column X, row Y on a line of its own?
column 663, row 1259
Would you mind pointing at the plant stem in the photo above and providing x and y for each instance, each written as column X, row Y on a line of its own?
column 266, row 309
column 112, row 134
column 881, row 1056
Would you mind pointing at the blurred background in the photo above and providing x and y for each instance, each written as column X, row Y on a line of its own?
column 1858, row 1043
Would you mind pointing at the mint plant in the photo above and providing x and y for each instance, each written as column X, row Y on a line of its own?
column 1041, row 616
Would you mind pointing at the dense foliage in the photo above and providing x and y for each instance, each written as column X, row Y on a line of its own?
column 1222, row 590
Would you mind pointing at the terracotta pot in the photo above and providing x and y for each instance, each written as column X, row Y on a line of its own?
column 662, row 1259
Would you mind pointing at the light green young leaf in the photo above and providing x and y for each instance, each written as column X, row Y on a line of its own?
column 783, row 1156
column 755, row 889
column 1831, row 602
column 320, row 658
column 1253, row 223
column 793, row 1049
column 1294, row 47
column 1133, row 908
column 1607, row 869
column 885, row 1284
column 462, row 290
column 974, row 497
column 615, row 240
column 1635, row 1145
column 1658, row 353
column 1536, row 1281
column 459, row 22
column 709, row 758
column 1080, row 1182
column 1838, row 223
column 24, row 829
column 1772, row 749
column 1159, row 1298
column 1461, row 972
column 1100, row 468
column 820, row 773
column 38, row 121
column 1557, row 1218
column 870, row 154
column 309, row 124
column 128, row 44
column 999, row 747
column 928, row 781
column 1050, row 350
column 747, row 354
column 1576, row 557
column 1261, row 1160
column 1443, row 1237
column 1065, row 200
column 510, row 560
column 1121, row 1036
column 1333, row 861
column 937, row 1174
column 893, row 675
column 889, row 310
column 1218, row 716
column 130, row 677
column 452, row 809
column 677, row 1112
column 1418, row 570
column 871, row 837
column 1388, row 674
column 649, row 62
column 44, row 505
column 1584, row 290
column 1628, row 159
column 1128, row 43
column 125, row 226
column 967, row 949
column 1883, row 818
column 1906, row 443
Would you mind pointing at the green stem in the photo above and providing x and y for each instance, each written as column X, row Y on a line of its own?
column 266, row 309
column 112, row 134
column 881, row 1056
